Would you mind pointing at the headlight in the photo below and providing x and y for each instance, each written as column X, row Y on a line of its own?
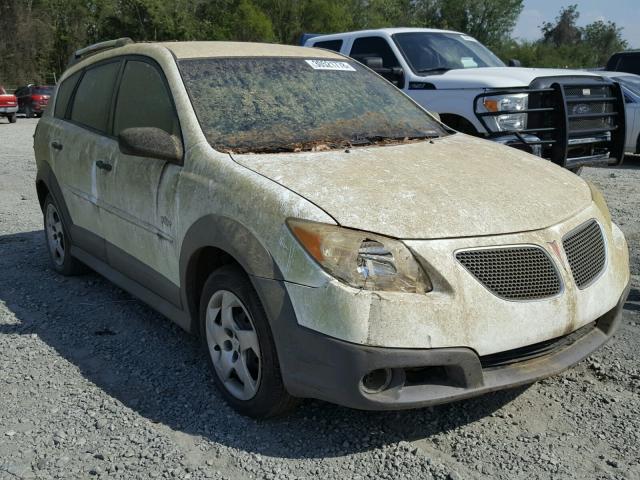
column 508, row 103
column 360, row 259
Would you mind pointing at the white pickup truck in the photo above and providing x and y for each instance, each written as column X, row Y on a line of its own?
column 572, row 118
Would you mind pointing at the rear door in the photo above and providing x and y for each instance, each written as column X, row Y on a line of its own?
column 79, row 143
column 139, row 201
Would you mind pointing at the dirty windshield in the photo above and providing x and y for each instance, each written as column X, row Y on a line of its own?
column 266, row 104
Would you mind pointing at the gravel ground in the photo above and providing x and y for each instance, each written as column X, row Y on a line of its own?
column 94, row 383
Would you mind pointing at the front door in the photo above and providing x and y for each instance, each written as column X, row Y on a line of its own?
column 138, row 200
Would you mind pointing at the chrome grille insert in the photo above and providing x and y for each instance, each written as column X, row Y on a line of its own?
column 586, row 252
column 513, row 273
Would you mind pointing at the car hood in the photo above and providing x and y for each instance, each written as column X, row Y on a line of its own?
column 456, row 186
column 497, row 77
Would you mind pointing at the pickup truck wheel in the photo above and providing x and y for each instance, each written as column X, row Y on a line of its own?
column 242, row 354
column 12, row 118
column 58, row 241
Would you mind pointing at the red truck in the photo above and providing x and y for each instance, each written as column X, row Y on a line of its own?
column 8, row 105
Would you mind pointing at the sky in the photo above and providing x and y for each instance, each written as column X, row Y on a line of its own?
column 625, row 13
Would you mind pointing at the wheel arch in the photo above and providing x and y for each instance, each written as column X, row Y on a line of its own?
column 47, row 184
column 212, row 242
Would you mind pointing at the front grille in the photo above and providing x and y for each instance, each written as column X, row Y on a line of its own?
column 582, row 114
column 586, row 252
column 569, row 123
column 502, row 359
column 513, row 273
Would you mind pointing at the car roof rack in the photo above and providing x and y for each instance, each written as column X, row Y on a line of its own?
column 98, row 47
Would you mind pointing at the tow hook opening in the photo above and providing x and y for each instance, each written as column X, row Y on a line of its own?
column 377, row 380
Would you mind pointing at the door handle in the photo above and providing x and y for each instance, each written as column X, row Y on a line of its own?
column 56, row 145
column 104, row 165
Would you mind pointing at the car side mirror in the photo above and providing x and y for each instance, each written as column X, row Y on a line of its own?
column 374, row 63
column 514, row 62
column 394, row 74
column 151, row 142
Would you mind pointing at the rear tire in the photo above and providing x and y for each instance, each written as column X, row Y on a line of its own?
column 58, row 241
column 235, row 332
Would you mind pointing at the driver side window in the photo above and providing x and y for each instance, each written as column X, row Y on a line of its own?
column 144, row 100
column 365, row 48
column 374, row 47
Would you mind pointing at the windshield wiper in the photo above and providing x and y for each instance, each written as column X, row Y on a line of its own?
column 434, row 70
column 371, row 139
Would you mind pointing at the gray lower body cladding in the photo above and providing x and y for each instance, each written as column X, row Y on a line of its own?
column 317, row 366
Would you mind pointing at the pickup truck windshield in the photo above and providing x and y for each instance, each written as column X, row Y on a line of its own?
column 435, row 52
column 268, row 104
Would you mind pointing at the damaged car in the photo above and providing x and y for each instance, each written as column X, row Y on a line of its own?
column 323, row 234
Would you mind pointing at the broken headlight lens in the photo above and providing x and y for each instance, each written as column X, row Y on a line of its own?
column 361, row 259
column 508, row 103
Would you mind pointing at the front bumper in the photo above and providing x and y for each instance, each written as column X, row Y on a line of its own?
column 317, row 366
column 8, row 110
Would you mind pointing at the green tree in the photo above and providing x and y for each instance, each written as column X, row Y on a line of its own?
column 601, row 39
column 564, row 31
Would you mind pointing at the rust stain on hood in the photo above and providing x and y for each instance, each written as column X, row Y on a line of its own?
column 456, row 186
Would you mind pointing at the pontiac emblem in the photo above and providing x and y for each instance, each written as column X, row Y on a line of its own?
column 556, row 249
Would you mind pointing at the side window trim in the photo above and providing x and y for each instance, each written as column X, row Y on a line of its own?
column 75, row 90
column 66, row 116
column 165, row 82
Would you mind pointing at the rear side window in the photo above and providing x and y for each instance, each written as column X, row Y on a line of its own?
column 144, row 101
column 92, row 101
column 65, row 90
column 334, row 45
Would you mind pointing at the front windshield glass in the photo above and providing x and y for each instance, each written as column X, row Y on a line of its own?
column 632, row 83
column 268, row 104
column 43, row 90
column 433, row 52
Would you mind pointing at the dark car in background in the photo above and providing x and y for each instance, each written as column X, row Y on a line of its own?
column 33, row 99
column 8, row 105
column 625, row 62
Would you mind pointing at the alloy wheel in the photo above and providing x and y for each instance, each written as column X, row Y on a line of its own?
column 55, row 234
column 233, row 345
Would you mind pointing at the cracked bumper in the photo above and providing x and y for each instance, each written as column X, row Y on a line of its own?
column 317, row 366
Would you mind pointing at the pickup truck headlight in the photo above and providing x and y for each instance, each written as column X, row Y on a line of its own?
column 508, row 103
column 361, row 259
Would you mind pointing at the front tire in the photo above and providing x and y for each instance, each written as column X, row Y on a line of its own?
column 58, row 241
column 12, row 118
column 242, row 355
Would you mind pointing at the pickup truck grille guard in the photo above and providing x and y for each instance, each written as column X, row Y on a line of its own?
column 571, row 124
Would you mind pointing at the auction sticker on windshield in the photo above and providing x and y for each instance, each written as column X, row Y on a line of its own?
column 330, row 65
